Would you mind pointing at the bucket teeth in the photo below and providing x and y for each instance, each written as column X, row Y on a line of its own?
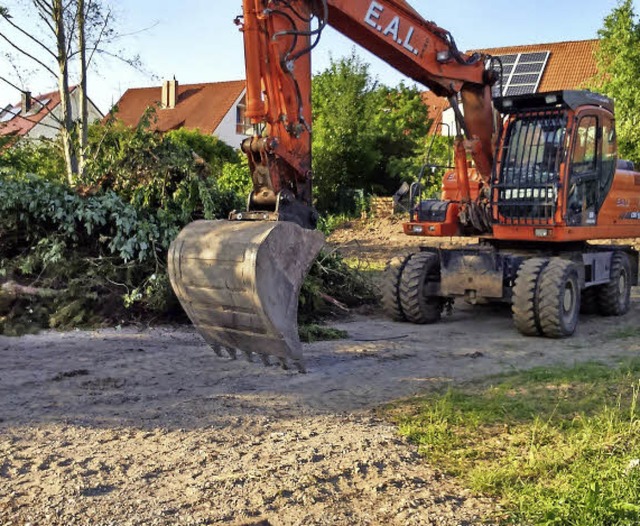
column 232, row 354
column 239, row 282
column 218, row 350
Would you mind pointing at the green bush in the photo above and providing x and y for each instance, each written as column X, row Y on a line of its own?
column 151, row 170
column 99, row 250
column 95, row 255
column 43, row 158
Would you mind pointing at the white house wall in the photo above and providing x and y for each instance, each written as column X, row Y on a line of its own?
column 226, row 131
column 49, row 127
column 449, row 118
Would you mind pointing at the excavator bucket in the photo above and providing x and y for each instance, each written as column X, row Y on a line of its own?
column 239, row 282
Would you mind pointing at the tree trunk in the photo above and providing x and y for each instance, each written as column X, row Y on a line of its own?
column 63, row 88
column 84, row 110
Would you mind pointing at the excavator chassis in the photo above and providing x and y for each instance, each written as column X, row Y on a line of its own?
column 239, row 282
column 547, row 284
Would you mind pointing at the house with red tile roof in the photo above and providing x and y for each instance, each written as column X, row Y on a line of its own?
column 37, row 117
column 213, row 108
column 530, row 68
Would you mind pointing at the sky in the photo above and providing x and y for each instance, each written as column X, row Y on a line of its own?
column 196, row 40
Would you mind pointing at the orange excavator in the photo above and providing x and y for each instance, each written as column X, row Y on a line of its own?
column 535, row 177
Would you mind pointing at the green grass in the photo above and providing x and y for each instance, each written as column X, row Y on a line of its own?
column 310, row 333
column 365, row 265
column 554, row 446
column 624, row 333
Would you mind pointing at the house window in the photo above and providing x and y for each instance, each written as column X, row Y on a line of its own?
column 243, row 124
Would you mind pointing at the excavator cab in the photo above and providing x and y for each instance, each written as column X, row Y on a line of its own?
column 555, row 167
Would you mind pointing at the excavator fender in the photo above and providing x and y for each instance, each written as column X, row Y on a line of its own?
column 239, row 282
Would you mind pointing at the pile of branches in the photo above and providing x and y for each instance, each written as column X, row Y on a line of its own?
column 96, row 254
column 69, row 261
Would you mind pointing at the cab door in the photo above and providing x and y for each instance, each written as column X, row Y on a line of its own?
column 592, row 166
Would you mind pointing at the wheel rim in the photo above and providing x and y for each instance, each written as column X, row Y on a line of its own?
column 622, row 287
column 622, row 284
column 568, row 299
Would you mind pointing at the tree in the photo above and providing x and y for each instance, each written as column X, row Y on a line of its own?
column 64, row 40
column 618, row 60
column 400, row 124
column 366, row 136
column 343, row 153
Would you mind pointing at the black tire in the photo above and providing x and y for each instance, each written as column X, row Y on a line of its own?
column 614, row 298
column 391, row 287
column 589, row 300
column 559, row 298
column 524, row 305
column 416, row 306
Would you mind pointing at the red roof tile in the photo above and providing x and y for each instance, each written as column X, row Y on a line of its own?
column 21, row 125
column 571, row 64
column 199, row 106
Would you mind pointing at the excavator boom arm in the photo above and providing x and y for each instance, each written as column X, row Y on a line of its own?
column 278, row 36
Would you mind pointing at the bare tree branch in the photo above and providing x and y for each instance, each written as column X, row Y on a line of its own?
column 44, row 6
column 45, row 13
column 27, row 54
column 137, row 32
column 99, row 39
column 29, row 36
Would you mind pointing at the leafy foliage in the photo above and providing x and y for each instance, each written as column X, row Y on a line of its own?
column 211, row 149
column 618, row 59
column 101, row 248
column 343, row 153
column 43, row 158
column 367, row 137
column 236, row 178
column 151, row 170
column 100, row 253
column 330, row 275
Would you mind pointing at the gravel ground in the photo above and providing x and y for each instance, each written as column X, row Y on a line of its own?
column 133, row 427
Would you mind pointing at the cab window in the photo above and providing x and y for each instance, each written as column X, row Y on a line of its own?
column 609, row 156
column 584, row 156
column 584, row 183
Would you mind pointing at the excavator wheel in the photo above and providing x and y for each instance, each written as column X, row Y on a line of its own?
column 614, row 298
column 391, row 287
column 239, row 282
column 559, row 298
column 417, row 307
column 526, row 292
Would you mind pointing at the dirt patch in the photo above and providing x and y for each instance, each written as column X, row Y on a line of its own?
column 149, row 427
column 379, row 239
